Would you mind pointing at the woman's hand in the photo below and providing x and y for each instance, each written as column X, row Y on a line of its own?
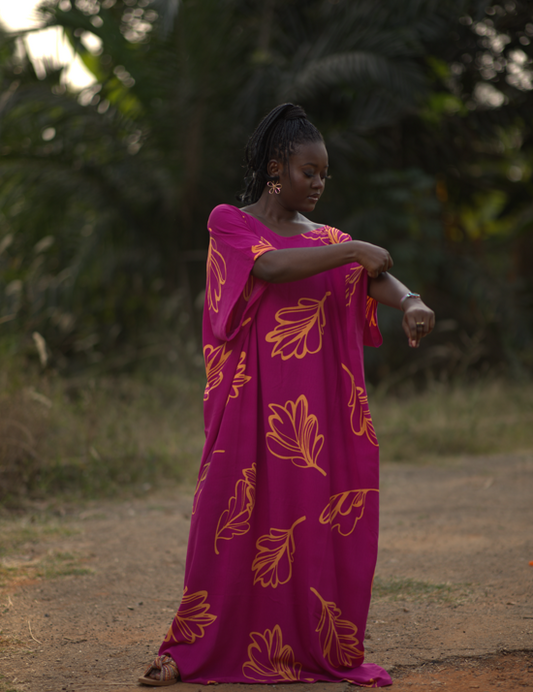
column 374, row 259
column 418, row 320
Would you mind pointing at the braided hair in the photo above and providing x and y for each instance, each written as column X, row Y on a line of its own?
column 276, row 136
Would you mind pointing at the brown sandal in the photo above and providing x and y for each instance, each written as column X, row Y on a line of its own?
column 167, row 669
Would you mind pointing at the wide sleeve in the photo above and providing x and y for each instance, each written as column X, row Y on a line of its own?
column 371, row 333
column 231, row 290
column 358, row 302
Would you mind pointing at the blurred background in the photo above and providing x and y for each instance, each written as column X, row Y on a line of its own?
column 123, row 123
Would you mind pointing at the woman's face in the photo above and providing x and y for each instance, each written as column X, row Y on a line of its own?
column 303, row 179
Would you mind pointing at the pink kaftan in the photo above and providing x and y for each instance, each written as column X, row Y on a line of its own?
column 284, row 528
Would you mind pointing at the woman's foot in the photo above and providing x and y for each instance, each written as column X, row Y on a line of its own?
column 162, row 672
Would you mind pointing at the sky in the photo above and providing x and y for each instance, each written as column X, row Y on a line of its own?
column 50, row 44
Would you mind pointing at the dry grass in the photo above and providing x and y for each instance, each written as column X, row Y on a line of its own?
column 50, row 566
column 27, row 551
column 5, row 685
column 462, row 419
column 21, row 535
column 23, row 429
column 403, row 589
column 92, row 436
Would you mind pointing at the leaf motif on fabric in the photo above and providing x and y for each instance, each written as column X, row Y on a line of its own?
column 215, row 358
column 348, row 508
column 234, row 521
column 240, row 379
column 191, row 619
column 294, row 434
column 269, row 660
column 360, row 418
column 248, row 288
column 273, row 562
column 371, row 313
column 200, row 486
column 338, row 637
column 300, row 329
column 327, row 235
column 262, row 247
column 216, row 275
column 352, row 279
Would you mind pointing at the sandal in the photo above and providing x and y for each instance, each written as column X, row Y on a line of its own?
column 167, row 669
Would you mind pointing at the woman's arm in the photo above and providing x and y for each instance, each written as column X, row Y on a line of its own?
column 292, row 264
column 418, row 320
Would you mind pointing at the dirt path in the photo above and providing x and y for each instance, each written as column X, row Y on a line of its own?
column 452, row 606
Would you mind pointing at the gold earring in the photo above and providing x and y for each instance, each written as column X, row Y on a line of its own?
column 274, row 187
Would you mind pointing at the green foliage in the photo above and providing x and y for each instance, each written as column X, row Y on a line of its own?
column 105, row 194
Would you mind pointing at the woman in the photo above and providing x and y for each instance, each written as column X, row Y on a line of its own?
column 284, row 529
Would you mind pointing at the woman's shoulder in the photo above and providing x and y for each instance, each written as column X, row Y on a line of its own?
column 223, row 213
column 232, row 225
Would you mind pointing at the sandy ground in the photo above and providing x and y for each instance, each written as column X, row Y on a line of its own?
column 452, row 608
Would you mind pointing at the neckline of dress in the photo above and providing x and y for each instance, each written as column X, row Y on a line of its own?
column 296, row 235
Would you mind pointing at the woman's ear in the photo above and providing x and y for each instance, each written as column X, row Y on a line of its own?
column 274, row 168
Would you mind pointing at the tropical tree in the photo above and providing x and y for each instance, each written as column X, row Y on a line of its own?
column 105, row 195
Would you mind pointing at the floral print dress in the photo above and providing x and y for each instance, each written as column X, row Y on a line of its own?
column 284, row 530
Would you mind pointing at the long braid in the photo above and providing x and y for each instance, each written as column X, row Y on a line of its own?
column 276, row 136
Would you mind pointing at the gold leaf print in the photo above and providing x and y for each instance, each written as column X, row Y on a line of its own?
column 200, row 486
column 337, row 637
column 262, row 247
column 191, row 619
column 327, row 235
column 240, row 379
column 214, row 357
column 234, row 521
column 371, row 311
column 352, row 279
column 269, row 660
column 300, row 329
column 248, row 288
column 349, row 504
column 201, row 481
column 273, row 562
column 216, row 275
column 361, row 419
column 294, row 434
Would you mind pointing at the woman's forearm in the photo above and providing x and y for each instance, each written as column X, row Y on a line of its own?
column 387, row 289
column 292, row 264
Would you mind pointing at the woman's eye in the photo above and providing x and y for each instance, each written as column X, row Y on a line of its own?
column 309, row 174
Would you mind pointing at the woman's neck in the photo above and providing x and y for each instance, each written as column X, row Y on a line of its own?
column 271, row 212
